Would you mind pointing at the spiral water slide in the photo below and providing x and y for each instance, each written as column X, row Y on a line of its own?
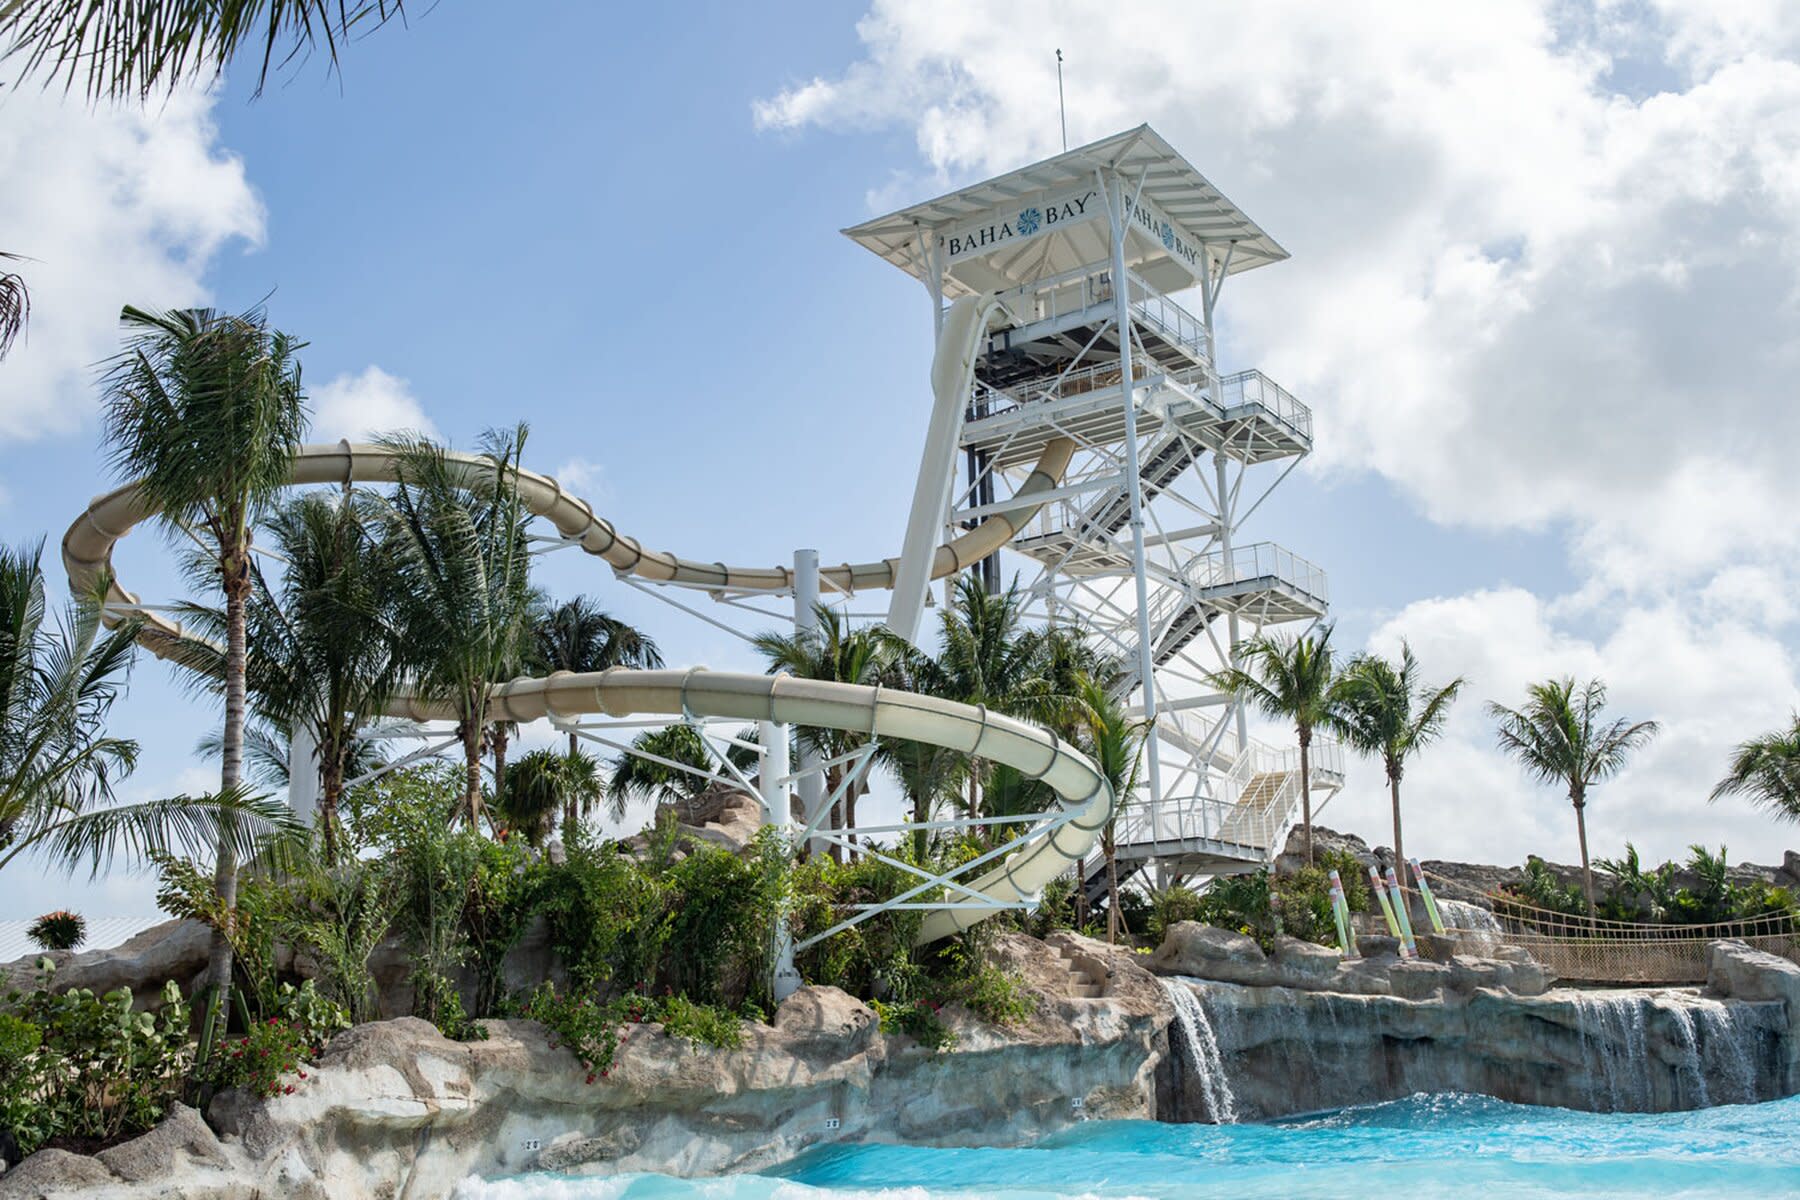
column 1084, row 798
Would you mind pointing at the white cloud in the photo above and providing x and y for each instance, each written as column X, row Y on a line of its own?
column 115, row 206
column 1522, row 296
column 1709, row 680
column 585, row 478
column 1546, row 277
column 367, row 403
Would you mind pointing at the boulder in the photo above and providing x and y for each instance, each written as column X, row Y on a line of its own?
column 1417, row 980
column 181, row 1144
column 1305, row 964
column 1207, row 952
column 1377, row 946
column 173, row 950
column 1733, row 969
column 55, row 1173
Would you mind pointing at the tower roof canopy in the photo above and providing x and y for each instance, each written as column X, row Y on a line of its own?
column 1049, row 218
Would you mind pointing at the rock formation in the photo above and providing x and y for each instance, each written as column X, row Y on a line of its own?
column 1300, row 1030
column 395, row 1109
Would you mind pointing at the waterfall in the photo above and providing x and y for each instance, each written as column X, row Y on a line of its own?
column 1199, row 1051
column 1613, row 1038
column 1724, row 1044
column 1690, row 1039
column 1479, row 927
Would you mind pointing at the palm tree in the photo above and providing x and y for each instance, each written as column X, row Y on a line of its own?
column 57, row 763
column 833, row 651
column 205, row 411
column 15, row 305
column 130, row 49
column 1286, row 679
column 639, row 777
column 1388, row 711
column 1112, row 740
column 578, row 635
column 1558, row 736
column 325, row 650
column 542, row 785
column 458, row 545
column 1766, row 771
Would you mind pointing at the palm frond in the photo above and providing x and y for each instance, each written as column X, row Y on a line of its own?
column 132, row 49
column 185, row 826
column 15, row 305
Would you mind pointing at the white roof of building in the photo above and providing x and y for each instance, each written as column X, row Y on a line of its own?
column 103, row 933
column 1003, row 231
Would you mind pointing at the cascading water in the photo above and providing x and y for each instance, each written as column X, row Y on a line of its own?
column 1478, row 929
column 1199, row 1050
column 1690, row 1043
column 1731, row 1045
column 1615, row 1043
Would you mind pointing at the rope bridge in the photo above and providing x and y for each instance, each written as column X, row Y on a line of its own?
column 1598, row 950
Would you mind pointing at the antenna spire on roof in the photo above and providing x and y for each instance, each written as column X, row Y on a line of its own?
column 1061, row 108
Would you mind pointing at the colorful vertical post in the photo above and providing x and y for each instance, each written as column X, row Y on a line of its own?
column 1387, row 909
column 1431, row 908
column 1399, row 897
column 1340, row 912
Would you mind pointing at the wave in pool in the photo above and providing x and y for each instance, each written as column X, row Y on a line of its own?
column 1424, row 1148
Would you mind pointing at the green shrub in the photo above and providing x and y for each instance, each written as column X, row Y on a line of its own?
column 590, row 1028
column 341, row 916
column 1539, row 889
column 59, row 930
column 1170, row 906
column 1240, row 903
column 958, row 971
column 917, row 1019
column 505, row 894
column 1351, row 873
column 83, row 1066
column 1055, row 910
column 700, row 1024
column 268, row 1060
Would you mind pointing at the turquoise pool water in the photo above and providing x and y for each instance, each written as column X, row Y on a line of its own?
column 1425, row 1148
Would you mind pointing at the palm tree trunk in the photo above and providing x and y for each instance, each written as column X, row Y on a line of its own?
column 500, row 741
column 1587, row 872
column 471, row 732
column 1399, row 843
column 236, row 574
column 1081, row 904
column 1112, row 890
column 330, row 791
column 1306, row 789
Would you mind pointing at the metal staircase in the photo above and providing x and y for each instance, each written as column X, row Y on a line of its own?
column 1085, row 254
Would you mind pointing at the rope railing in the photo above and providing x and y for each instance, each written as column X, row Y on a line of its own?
column 1605, row 950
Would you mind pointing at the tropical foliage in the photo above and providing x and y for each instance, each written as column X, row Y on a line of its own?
column 1560, row 736
column 1766, row 771
column 1287, row 679
column 133, row 49
column 1387, row 710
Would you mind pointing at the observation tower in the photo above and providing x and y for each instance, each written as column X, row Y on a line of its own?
column 1146, row 539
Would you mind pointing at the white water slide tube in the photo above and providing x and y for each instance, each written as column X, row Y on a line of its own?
column 1085, row 799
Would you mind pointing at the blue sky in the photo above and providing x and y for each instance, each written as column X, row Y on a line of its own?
column 622, row 229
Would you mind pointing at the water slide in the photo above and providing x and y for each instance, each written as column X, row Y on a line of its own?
column 1085, row 800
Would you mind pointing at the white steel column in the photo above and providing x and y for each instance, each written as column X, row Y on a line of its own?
column 1232, row 631
column 778, row 811
column 1209, row 295
column 811, row 784
column 1133, row 483
column 303, row 772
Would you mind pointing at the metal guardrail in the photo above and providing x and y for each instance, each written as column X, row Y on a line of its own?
column 1258, row 561
column 1253, row 388
column 1255, row 806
